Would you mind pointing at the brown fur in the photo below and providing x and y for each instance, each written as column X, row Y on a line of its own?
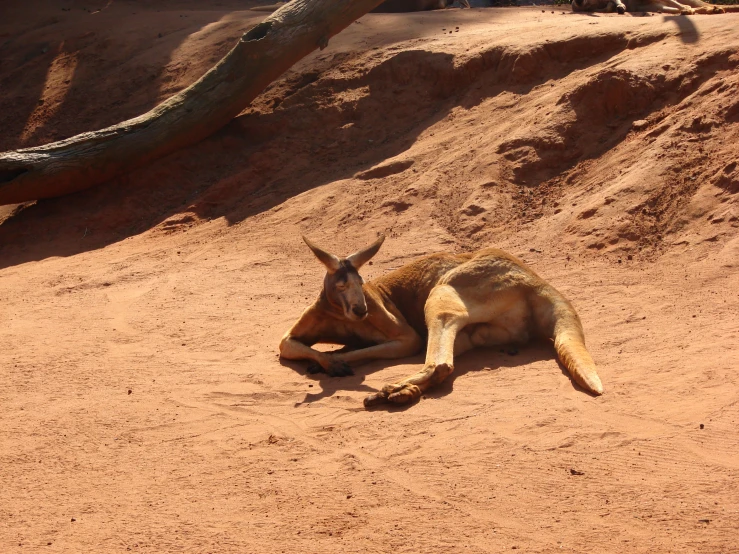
column 452, row 302
column 684, row 7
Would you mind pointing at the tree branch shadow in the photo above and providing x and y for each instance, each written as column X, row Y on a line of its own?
column 269, row 155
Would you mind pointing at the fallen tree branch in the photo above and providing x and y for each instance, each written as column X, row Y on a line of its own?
column 264, row 53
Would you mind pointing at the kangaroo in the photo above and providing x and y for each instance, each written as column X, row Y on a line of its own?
column 684, row 7
column 457, row 301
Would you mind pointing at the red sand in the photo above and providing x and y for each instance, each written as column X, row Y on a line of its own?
column 144, row 405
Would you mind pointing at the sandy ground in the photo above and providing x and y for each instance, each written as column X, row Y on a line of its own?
column 144, row 404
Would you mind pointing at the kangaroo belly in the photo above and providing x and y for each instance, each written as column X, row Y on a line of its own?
column 510, row 326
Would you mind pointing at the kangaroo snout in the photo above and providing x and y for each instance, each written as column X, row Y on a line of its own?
column 359, row 311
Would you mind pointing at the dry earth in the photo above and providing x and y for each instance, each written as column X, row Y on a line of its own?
column 144, row 406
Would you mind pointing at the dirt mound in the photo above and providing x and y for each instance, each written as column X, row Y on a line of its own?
column 145, row 405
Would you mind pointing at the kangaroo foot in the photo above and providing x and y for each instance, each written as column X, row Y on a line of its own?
column 397, row 393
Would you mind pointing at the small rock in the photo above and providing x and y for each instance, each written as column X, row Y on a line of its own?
column 701, row 425
column 129, row 392
column 512, row 351
column 576, row 472
column 639, row 124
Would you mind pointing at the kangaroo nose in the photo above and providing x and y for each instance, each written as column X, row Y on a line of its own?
column 359, row 311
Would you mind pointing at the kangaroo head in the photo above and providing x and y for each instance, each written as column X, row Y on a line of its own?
column 343, row 284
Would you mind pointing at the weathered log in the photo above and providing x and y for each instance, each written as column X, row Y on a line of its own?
column 262, row 54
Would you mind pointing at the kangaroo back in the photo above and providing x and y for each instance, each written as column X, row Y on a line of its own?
column 556, row 319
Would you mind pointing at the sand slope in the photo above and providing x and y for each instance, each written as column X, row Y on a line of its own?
column 144, row 405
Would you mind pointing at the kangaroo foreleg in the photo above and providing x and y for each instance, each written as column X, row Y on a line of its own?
column 390, row 350
column 293, row 349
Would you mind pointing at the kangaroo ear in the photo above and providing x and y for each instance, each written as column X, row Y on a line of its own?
column 358, row 259
column 329, row 260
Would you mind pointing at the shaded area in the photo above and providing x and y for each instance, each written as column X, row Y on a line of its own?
column 689, row 33
column 273, row 153
column 67, row 61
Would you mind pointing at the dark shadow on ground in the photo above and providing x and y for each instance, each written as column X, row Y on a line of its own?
column 327, row 386
column 480, row 359
column 689, row 33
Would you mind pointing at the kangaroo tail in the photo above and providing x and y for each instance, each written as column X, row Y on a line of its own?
column 558, row 321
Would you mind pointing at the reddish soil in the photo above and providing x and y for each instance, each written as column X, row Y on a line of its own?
column 144, row 405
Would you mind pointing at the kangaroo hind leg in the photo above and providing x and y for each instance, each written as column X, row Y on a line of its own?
column 446, row 315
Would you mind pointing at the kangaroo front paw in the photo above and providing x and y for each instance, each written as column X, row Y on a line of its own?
column 338, row 368
column 313, row 368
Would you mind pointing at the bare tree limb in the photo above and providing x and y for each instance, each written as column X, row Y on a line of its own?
column 264, row 53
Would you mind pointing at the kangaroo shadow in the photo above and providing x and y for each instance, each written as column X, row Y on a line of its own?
column 480, row 359
column 329, row 386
